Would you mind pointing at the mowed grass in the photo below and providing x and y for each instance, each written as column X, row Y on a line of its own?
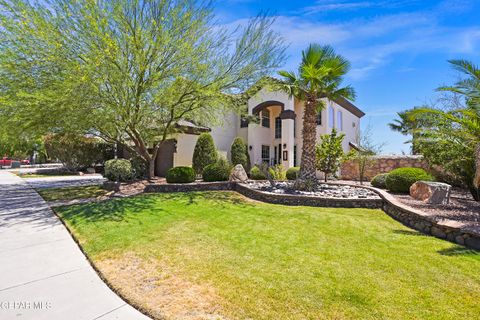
column 70, row 193
column 267, row 261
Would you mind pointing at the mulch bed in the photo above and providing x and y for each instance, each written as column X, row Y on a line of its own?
column 462, row 207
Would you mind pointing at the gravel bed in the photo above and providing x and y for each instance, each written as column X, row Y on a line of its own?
column 459, row 208
column 323, row 190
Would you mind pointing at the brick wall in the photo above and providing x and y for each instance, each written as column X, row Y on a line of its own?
column 381, row 164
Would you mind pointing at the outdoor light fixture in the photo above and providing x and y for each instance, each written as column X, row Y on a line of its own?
column 284, row 146
column 250, row 148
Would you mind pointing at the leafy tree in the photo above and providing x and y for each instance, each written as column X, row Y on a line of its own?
column 452, row 140
column 329, row 153
column 126, row 71
column 238, row 152
column 320, row 75
column 204, row 153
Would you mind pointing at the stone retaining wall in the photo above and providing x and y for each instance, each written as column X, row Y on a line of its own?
column 381, row 164
column 187, row 187
column 298, row 200
column 450, row 230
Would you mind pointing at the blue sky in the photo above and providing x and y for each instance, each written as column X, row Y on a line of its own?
column 398, row 48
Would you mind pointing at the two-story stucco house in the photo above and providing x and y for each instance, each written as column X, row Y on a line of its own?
column 276, row 138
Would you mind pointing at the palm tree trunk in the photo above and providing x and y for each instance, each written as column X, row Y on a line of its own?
column 476, row 180
column 309, row 132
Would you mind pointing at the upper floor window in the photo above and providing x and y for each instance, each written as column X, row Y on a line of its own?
column 339, row 120
column 331, row 117
column 319, row 118
column 278, row 128
column 266, row 118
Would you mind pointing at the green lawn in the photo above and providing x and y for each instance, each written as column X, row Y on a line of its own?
column 44, row 175
column 70, row 193
column 262, row 261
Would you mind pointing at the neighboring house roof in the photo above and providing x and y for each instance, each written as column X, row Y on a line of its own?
column 190, row 127
column 350, row 107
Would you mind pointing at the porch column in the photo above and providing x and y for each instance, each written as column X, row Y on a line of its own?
column 288, row 137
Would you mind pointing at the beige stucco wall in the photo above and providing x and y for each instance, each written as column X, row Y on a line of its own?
column 185, row 146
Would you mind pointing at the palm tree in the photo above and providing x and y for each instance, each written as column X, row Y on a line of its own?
column 319, row 75
column 466, row 121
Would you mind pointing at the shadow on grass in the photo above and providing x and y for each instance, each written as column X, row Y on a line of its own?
column 459, row 251
column 408, row 232
column 122, row 209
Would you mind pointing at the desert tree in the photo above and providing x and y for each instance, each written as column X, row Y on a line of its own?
column 126, row 71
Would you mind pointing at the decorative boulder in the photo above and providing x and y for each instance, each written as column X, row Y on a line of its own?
column 238, row 174
column 90, row 170
column 431, row 192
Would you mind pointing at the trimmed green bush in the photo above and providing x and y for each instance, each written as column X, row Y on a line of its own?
column 204, row 153
column 257, row 174
column 293, row 173
column 379, row 181
column 118, row 170
column 401, row 179
column 277, row 172
column 218, row 171
column 238, row 152
column 180, row 175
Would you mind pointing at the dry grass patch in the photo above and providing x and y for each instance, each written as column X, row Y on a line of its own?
column 160, row 289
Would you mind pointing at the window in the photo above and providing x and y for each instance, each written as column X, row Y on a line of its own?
column 319, row 118
column 331, row 117
column 266, row 118
column 243, row 122
column 339, row 120
column 294, row 156
column 294, row 128
column 266, row 154
column 278, row 128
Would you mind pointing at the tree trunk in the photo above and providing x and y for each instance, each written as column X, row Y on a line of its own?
column 476, row 180
column 151, row 168
column 309, row 133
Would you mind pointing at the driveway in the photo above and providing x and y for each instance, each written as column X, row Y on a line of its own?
column 44, row 275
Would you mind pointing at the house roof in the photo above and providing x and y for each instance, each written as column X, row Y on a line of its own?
column 190, row 127
column 346, row 104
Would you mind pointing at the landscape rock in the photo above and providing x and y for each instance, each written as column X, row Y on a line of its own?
column 90, row 170
column 431, row 192
column 238, row 174
column 111, row 186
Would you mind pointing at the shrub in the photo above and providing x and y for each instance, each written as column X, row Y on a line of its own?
column 238, row 152
column 293, row 173
column 218, row 171
column 180, row 175
column 118, row 170
column 257, row 174
column 379, row 181
column 204, row 153
column 74, row 151
column 277, row 172
column 400, row 180
column 139, row 166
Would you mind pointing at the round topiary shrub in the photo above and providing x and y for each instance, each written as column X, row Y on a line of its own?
column 379, row 181
column 400, row 180
column 293, row 173
column 257, row 174
column 118, row 170
column 180, row 175
column 218, row 171
column 204, row 153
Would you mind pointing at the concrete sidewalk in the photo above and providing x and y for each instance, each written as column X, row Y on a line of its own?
column 44, row 275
